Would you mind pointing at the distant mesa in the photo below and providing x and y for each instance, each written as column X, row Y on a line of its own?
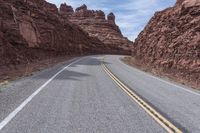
column 96, row 24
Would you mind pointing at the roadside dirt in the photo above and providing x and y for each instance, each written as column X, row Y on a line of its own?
column 12, row 72
column 161, row 73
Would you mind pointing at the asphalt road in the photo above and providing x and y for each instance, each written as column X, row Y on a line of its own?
column 79, row 97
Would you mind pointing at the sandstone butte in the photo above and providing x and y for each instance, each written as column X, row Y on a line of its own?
column 171, row 42
column 97, row 25
column 32, row 30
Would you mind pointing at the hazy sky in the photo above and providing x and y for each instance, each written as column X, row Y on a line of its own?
column 131, row 15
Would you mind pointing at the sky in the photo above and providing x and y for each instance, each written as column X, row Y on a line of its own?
column 131, row 15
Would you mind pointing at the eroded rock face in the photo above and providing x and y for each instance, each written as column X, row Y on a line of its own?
column 29, row 34
column 171, row 41
column 96, row 24
column 99, row 15
column 82, row 8
column 66, row 10
column 30, row 26
column 111, row 17
column 32, row 30
column 179, row 2
column 188, row 3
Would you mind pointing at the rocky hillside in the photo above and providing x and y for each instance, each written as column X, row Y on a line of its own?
column 35, row 29
column 171, row 42
column 97, row 25
column 35, row 25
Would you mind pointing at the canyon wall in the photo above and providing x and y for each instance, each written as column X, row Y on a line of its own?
column 97, row 25
column 171, row 41
column 34, row 29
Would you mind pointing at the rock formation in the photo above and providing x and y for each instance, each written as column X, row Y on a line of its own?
column 188, row 3
column 66, row 10
column 97, row 25
column 29, row 28
column 111, row 18
column 171, row 41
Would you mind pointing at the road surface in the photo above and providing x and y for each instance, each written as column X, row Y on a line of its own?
column 80, row 97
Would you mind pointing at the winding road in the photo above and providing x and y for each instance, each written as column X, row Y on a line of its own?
column 97, row 94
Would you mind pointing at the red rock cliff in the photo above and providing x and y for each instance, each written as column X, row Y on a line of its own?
column 97, row 25
column 31, row 27
column 171, row 41
column 187, row 3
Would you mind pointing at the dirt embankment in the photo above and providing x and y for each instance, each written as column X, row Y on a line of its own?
column 12, row 72
column 160, row 72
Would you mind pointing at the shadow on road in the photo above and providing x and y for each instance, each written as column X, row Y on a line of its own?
column 89, row 61
column 72, row 74
column 65, row 75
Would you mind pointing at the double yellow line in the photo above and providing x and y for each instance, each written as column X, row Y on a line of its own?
column 167, row 125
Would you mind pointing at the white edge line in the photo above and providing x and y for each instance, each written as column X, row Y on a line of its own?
column 164, row 81
column 23, row 104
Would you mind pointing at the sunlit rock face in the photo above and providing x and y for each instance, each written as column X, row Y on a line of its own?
column 30, row 26
column 188, row 3
column 111, row 17
column 98, row 25
column 65, row 10
column 81, row 8
column 171, row 41
column 179, row 2
column 31, row 30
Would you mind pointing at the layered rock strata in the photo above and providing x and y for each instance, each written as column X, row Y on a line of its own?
column 35, row 29
column 97, row 25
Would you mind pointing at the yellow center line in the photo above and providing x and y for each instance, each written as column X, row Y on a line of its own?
column 166, row 124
